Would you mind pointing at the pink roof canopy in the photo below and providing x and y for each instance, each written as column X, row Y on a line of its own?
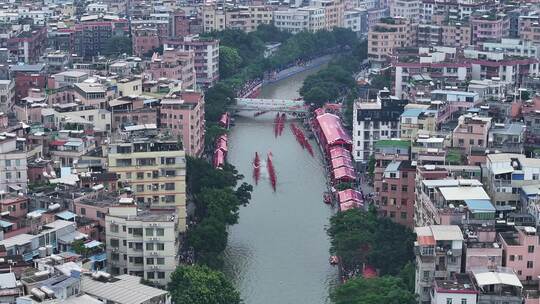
column 222, row 145
column 341, row 162
column 336, row 152
column 224, row 120
column 332, row 130
column 350, row 195
column 344, row 173
column 219, row 158
column 348, row 205
column 223, row 137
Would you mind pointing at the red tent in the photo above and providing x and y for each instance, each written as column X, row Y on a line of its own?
column 219, row 159
column 344, row 174
column 336, row 152
column 348, row 205
column 224, row 120
column 332, row 131
column 350, row 195
column 341, row 162
column 222, row 144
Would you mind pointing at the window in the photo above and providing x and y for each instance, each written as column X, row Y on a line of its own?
column 83, row 211
column 114, row 228
column 150, row 275
column 8, row 163
column 448, row 301
column 404, row 189
column 160, row 246
column 115, row 243
column 149, row 231
column 160, row 232
column 149, row 261
column 161, row 275
column 169, row 198
column 531, row 249
column 169, row 186
column 535, row 176
column 512, row 257
column 529, row 264
column 404, row 215
column 463, row 301
column 149, row 246
column 393, row 187
column 160, row 261
column 528, row 278
column 520, row 258
column 137, row 231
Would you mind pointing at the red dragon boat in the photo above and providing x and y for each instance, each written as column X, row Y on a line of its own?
column 271, row 171
column 256, row 168
column 301, row 138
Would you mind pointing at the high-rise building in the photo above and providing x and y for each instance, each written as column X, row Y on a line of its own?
column 141, row 243
column 155, row 171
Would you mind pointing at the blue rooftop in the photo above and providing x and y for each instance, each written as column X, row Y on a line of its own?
column 412, row 112
column 66, row 215
column 480, row 205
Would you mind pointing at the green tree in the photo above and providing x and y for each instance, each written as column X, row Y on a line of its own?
column 229, row 61
column 201, row 285
column 117, row 45
column 407, row 275
column 359, row 238
column 79, row 248
column 209, row 240
column 371, row 166
column 217, row 98
column 387, row 290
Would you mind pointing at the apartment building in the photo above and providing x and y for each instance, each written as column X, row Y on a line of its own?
column 7, row 94
column 356, row 20
column 295, row 20
column 174, row 65
column 142, row 243
column 507, row 137
column 529, row 27
column 155, row 171
column 13, row 168
column 505, row 174
column 521, row 252
column 489, row 65
column 375, row 120
column 333, row 12
column 513, row 47
column 58, row 234
column 29, row 45
column 451, row 202
column 183, row 114
column 394, row 181
column 489, row 28
column 417, row 119
column 409, row 9
column 244, row 18
column 471, row 132
column 206, row 57
column 92, row 34
column 436, row 63
column 388, row 34
column 456, row 35
column 438, row 251
column 144, row 38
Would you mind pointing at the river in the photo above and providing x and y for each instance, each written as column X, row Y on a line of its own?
column 278, row 252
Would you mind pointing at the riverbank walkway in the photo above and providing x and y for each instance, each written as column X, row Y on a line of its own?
column 261, row 104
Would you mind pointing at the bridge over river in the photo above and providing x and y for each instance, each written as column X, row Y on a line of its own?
column 262, row 104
